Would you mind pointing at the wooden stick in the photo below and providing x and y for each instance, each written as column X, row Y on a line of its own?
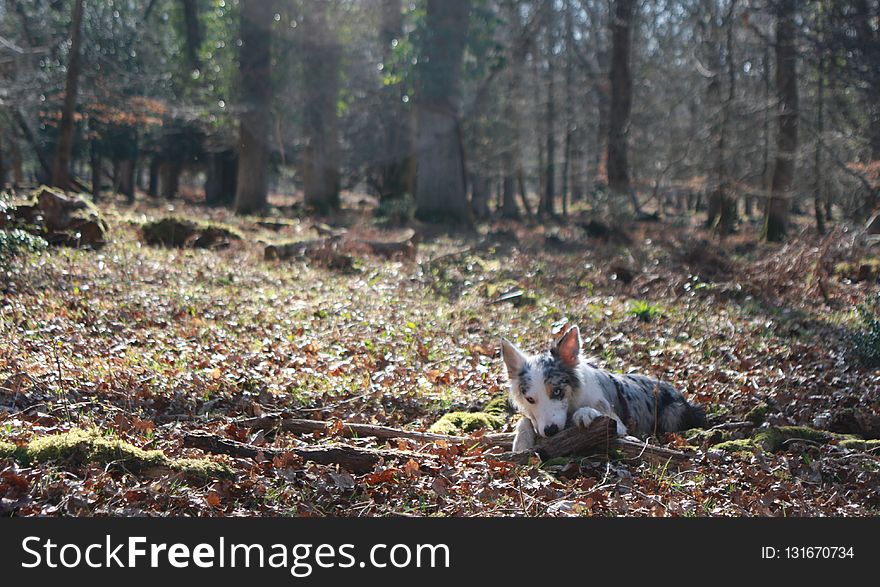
column 355, row 459
column 598, row 439
column 300, row 426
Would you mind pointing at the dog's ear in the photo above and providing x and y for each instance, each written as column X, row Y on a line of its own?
column 513, row 357
column 569, row 347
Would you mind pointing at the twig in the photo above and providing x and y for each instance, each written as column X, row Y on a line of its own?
column 355, row 459
column 300, row 426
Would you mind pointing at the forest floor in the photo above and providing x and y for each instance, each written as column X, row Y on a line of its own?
column 146, row 344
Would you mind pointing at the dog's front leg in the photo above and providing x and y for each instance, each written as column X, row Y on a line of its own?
column 525, row 435
column 585, row 416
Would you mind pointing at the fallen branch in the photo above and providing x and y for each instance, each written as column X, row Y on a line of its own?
column 598, row 439
column 311, row 248
column 300, row 426
column 355, row 459
column 404, row 245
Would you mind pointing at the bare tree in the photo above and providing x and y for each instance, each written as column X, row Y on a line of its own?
column 61, row 170
column 193, row 32
column 441, row 191
column 722, row 205
column 321, row 54
column 396, row 173
column 776, row 218
column 621, row 96
column 256, row 93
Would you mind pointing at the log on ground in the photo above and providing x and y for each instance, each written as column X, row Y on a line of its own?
column 352, row 458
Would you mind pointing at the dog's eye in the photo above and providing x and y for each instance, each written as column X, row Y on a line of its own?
column 558, row 393
column 531, row 400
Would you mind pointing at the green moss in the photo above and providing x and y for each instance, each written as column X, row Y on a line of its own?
column 859, row 444
column 458, row 422
column 174, row 231
column 741, row 445
column 758, row 414
column 497, row 406
column 866, row 268
column 699, row 436
column 557, row 462
column 7, row 450
column 776, row 438
column 90, row 446
column 615, row 454
column 202, row 469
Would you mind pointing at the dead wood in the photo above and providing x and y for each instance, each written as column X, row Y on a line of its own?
column 352, row 458
column 300, row 426
column 597, row 440
column 404, row 245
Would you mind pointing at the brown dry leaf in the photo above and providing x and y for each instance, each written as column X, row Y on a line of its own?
column 412, row 469
column 336, row 427
column 213, row 499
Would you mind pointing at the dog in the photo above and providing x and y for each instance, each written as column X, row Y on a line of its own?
column 558, row 388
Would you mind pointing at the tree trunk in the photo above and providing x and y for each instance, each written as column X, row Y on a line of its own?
column 510, row 146
column 548, row 205
column 17, row 164
column 97, row 169
column 548, row 196
column 126, row 178
column 252, row 186
column 153, row 181
column 776, row 218
column 480, row 188
column 818, row 177
column 321, row 157
column 765, row 151
column 621, row 96
column 722, row 207
column 396, row 163
column 572, row 187
column 220, row 180
column 193, row 33
column 61, row 170
column 867, row 37
column 169, row 179
column 441, row 191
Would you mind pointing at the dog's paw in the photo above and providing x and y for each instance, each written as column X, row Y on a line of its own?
column 525, row 436
column 585, row 416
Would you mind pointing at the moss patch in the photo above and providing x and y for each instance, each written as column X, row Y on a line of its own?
column 497, row 406
column 865, row 269
column 458, row 422
column 758, row 414
column 89, row 446
column 859, row 444
column 201, row 469
column 777, row 438
column 7, row 450
column 708, row 437
column 174, row 231
column 741, row 445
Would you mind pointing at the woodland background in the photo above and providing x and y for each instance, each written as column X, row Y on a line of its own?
column 220, row 217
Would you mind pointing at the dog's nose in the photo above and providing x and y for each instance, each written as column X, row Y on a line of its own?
column 551, row 430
